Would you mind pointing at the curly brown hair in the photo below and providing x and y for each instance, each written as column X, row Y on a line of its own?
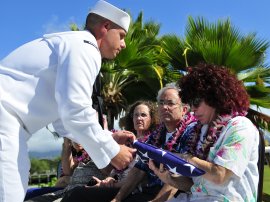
column 126, row 122
column 217, row 86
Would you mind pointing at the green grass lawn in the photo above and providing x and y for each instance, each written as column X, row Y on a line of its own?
column 266, row 180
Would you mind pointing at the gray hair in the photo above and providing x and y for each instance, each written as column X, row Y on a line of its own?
column 167, row 86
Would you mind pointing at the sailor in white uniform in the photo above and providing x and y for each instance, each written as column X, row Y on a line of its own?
column 50, row 80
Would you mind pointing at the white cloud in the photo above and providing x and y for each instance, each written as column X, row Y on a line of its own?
column 54, row 25
column 265, row 111
column 44, row 141
column 261, row 109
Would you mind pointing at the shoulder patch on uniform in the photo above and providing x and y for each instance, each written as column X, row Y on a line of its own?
column 89, row 42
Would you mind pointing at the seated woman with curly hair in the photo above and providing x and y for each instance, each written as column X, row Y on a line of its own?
column 225, row 143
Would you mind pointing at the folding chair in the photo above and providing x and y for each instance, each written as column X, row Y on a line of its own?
column 261, row 165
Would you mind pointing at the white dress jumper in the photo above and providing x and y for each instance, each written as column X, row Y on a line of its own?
column 49, row 80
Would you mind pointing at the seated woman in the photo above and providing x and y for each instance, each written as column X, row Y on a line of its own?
column 72, row 155
column 141, row 119
column 225, row 145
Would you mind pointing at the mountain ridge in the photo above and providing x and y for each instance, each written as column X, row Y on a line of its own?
column 45, row 155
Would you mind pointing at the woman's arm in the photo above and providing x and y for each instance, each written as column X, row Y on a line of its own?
column 67, row 161
column 213, row 172
column 167, row 192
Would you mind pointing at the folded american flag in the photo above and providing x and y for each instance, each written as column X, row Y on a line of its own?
column 171, row 162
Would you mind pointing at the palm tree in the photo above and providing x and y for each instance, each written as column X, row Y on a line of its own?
column 221, row 43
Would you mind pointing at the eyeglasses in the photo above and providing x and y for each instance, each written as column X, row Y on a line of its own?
column 142, row 115
column 168, row 103
column 195, row 102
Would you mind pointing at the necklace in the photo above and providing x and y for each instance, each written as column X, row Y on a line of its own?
column 201, row 147
column 81, row 156
column 157, row 138
column 144, row 137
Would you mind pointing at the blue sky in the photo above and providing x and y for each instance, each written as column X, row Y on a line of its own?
column 22, row 21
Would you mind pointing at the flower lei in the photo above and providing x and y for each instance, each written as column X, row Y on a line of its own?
column 157, row 138
column 209, row 139
column 81, row 156
column 144, row 137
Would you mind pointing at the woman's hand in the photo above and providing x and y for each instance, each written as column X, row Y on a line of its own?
column 178, row 181
column 163, row 174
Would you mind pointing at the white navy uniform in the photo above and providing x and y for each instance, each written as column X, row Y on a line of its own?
column 49, row 80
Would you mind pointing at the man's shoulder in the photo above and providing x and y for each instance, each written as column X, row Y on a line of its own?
column 74, row 40
column 66, row 33
column 85, row 35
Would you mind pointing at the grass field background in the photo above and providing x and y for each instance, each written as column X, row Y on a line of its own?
column 266, row 179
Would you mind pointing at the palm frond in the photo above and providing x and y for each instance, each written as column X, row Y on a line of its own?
column 173, row 49
column 260, row 119
column 262, row 101
column 252, row 74
column 221, row 43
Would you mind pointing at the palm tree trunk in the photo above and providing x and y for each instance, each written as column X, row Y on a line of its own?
column 110, row 119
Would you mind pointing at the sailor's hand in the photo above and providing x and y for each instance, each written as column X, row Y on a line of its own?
column 123, row 158
column 124, row 137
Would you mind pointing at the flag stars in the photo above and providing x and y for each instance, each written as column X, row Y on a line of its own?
column 191, row 167
column 173, row 170
column 162, row 152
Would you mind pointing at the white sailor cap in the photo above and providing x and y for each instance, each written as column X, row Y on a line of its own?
column 112, row 13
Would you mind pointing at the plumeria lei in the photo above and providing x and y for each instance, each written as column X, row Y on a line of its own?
column 81, row 156
column 214, row 130
column 157, row 138
column 144, row 137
